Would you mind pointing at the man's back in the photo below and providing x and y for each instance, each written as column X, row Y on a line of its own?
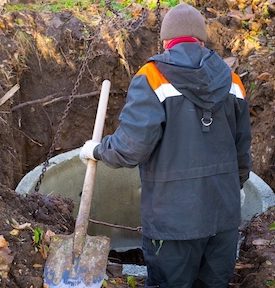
column 186, row 124
column 191, row 180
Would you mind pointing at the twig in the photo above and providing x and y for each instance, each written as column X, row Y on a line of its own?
column 76, row 97
column 3, row 120
column 239, row 266
column 37, row 101
column 27, row 136
column 49, row 119
column 9, row 94
column 248, row 275
column 243, row 74
column 50, row 99
column 12, row 155
column 92, row 77
column 67, row 97
column 138, row 229
column 66, row 60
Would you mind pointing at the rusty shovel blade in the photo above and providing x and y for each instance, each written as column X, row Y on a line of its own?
column 62, row 270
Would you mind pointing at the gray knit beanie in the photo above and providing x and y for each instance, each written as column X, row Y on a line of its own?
column 183, row 20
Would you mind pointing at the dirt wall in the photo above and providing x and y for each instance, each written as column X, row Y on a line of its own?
column 43, row 52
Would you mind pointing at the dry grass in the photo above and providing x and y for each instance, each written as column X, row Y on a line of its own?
column 46, row 47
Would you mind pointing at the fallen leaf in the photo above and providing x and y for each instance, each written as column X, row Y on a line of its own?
column 3, row 242
column 249, row 9
column 260, row 242
column 14, row 232
column 232, row 62
column 213, row 11
column 48, row 235
column 232, row 3
column 6, row 260
column 20, row 226
column 264, row 76
column 131, row 281
column 255, row 26
column 239, row 15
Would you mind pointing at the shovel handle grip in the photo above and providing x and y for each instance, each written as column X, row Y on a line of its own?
column 82, row 219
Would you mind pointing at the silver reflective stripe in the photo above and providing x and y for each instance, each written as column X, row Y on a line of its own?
column 166, row 90
column 236, row 90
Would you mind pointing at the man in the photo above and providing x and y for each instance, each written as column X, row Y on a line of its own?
column 186, row 124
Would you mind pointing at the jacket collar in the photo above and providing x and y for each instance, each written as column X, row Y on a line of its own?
column 182, row 39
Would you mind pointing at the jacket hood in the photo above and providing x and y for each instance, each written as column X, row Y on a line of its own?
column 197, row 72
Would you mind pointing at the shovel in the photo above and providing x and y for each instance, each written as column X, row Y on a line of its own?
column 80, row 260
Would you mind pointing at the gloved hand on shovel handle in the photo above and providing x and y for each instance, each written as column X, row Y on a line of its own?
column 87, row 151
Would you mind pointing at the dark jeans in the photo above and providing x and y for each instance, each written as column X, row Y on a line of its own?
column 200, row 263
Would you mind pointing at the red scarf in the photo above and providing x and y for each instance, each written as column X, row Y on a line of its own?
column 182, row 39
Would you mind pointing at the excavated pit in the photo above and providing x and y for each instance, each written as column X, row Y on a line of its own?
column 116, row 199
column 43, row 53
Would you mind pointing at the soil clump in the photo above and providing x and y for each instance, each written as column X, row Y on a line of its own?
column 30, row 213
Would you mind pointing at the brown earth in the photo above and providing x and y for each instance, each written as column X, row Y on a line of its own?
column 256, row 267
column 47, row 213
column 43, row 53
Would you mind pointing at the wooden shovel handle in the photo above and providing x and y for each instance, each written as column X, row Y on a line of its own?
column 82, row 219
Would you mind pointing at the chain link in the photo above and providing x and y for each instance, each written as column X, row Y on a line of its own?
column 108, row 4
column 133, row 27
column 158, row 27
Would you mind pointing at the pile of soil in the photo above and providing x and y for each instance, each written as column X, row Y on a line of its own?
column 43, row 53
column 256, row 264
column 254, row 269
column 32, row 211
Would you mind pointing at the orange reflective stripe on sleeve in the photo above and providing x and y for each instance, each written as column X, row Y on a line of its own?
column 158, row 82
column 237, row 87
column 154, row 77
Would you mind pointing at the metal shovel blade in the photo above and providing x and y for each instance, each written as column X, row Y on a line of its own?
column 88, row 270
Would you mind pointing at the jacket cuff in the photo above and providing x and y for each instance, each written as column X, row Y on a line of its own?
column 96, row 154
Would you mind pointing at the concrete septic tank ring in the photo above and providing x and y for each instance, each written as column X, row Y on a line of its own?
column 116, row 197
column 258, row 197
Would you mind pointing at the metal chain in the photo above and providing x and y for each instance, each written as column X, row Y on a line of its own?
column 135, row 25
column 76, row 86
column 108, row 4
column 158, row 27
column 57, row 135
